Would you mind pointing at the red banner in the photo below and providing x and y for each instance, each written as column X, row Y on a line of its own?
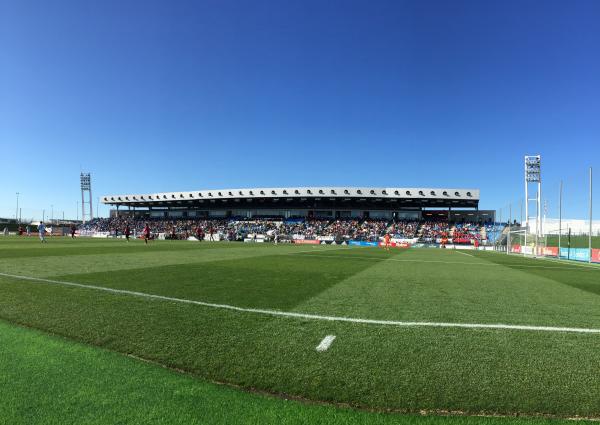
column 595, row 255
column 549, row 251
column 307, row 241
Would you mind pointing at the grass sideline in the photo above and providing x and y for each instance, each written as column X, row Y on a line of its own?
column 375, row 367
column 49, row 380
column 576, row 241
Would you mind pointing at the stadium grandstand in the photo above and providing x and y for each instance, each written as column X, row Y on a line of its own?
column 305, row 215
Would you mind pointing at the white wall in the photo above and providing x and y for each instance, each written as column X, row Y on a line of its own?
column 578, row 226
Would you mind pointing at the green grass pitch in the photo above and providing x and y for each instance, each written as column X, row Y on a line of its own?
column 576, row 241
column 244, row 337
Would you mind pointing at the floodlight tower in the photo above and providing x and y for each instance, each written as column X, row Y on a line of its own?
column 86, row 186
column 533, row 180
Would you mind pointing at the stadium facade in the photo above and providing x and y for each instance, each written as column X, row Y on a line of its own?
column 319, row 202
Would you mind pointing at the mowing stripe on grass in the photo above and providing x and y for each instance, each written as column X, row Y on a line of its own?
column 573, row 263
column 324, row 345
column 470, row 263
column 493, row 326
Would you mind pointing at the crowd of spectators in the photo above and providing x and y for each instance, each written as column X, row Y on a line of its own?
column 404, row 229
column 465, row 233
column 235, row 229
column 430, row 231
column 459, row 233
column 338, row 229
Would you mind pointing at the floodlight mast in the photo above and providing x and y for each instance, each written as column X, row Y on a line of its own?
column 86, row 186
column 533, row 180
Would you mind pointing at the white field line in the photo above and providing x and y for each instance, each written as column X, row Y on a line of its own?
column 316, row 249
column 463, row 253
column 311, row 316
column 324, row 345
column 573, row 263
column 564, row 261
column 470, row 263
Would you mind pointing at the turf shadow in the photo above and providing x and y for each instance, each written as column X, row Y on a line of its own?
column 275, row 281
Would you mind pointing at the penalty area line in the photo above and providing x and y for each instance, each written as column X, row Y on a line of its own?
column 290, row 314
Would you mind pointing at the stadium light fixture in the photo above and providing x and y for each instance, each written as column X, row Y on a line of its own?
column 533, row 177
column 85, row 181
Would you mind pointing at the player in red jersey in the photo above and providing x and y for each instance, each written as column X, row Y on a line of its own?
column 386, row 240
column 146, row 233
column 127, row 232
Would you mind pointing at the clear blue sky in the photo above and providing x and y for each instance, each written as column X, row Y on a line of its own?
column 172, row 95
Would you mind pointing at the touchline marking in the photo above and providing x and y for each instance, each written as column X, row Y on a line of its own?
column 324, row 345
column 316, row 249
column 464, row 253
column 571, row 263
column 310, row 316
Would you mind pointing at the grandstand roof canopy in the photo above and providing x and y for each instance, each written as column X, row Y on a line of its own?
column 399, row 197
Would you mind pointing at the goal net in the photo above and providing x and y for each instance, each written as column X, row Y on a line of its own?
column 529, row 244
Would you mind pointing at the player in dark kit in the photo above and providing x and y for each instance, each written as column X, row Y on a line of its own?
column 72, row 231
column 146, row 233
column 127, row 232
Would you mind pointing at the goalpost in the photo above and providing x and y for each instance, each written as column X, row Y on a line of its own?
column 527, row 243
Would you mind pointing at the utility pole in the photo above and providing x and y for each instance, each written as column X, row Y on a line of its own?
column 590, row 233
column 17, row 210
column 521, row 216
column 569, row 246
column 560, row 215
column 508, row 244
column 543, row 225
